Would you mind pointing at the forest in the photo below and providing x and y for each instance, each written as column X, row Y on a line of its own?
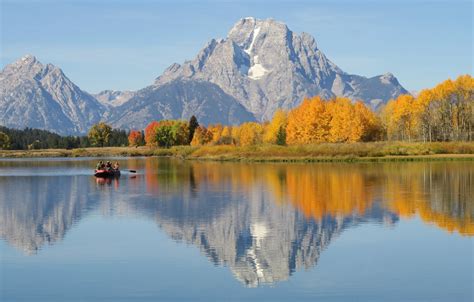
column 32, row 139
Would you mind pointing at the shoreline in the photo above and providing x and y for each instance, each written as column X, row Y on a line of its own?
column 325, row 152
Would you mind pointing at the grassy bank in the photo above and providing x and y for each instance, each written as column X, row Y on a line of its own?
column 377, row 151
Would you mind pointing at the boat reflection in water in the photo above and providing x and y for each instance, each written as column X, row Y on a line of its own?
column 263, row 221
column 107, row 181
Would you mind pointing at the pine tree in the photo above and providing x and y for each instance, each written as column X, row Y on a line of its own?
column 193, row 124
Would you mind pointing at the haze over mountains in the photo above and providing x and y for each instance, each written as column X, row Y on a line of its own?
column 259, row 67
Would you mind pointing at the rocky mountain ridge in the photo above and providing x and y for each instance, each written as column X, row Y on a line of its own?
column 259, row 67
column 42, row 96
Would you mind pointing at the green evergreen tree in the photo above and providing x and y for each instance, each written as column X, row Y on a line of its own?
column 193, row 124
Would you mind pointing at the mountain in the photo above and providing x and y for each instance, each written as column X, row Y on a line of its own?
column 41, row 96
column 113, row 98
column 259, row 67
column 266, row 66
column 180, row 99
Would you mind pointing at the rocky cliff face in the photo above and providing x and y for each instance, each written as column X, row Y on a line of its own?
column 180, row 99
column 266, row 66
column 41, row 96
column 113, row 98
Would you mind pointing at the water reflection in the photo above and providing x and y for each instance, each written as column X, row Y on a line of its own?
column 263, row 221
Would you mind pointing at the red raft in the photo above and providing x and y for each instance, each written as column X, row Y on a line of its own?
column 107, row 173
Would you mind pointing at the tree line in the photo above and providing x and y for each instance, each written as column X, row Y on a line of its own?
column 29, row 139
column 443, row 113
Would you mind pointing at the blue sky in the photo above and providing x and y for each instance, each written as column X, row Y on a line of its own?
column 127, row 44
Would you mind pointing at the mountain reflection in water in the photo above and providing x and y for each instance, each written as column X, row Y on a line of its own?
column 263, row 221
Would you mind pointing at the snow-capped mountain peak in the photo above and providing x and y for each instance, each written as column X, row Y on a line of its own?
column 266, row 66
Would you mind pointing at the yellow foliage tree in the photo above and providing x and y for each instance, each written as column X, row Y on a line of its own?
column 308, row 123
column 342, row 126
column 401, row 117
column 368, row 126
column 445, row 112
column 275, row 131
column 250, row 133
column 235, row 134
column 216, row 131
column 226, row 136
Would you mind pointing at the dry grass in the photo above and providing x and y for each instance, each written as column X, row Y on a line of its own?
column 376, row 151
column 334, row 152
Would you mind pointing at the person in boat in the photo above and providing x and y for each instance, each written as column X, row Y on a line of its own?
column 116, row 166
column 99, row 165
column 108, row 166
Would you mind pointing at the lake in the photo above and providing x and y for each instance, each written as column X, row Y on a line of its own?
column 210, row 231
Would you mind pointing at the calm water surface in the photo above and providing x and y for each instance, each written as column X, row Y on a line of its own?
column 231, row 231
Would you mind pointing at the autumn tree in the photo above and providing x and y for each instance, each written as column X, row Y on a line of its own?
column 401, row 117
column 275, row 131
column 235, row 134
column 308, row 123
column 180, row 133
column 342, row 124
column 4, row 141
column 201, row 136
column 250, row 134
column 135, row 138
column 226, row 136
column 368, row 127
column 448, row 108
column 443, row 113
column 99, row 134
column 150, row 130
column 167, row 133
column 216, row 131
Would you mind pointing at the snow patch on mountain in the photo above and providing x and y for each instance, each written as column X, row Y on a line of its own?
column 257, row 71
column 114, row 98
column 255, row 33
column 266, row 66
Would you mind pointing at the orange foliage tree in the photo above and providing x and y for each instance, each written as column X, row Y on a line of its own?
column 201, row 137
column 135, row 138
column 150, row 131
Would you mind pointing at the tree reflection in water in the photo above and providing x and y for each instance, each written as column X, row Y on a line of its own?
column 263, row 221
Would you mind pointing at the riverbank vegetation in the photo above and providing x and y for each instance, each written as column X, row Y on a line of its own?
column 371, row 151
